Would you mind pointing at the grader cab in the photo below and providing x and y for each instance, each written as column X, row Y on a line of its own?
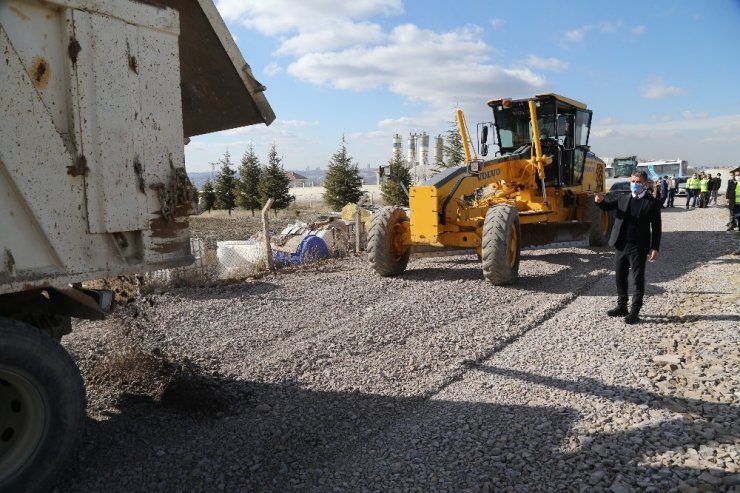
column 537, row 191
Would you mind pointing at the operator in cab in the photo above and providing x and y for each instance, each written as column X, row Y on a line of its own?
column 636, row 238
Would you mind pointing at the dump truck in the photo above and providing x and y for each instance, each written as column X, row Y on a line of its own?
column 98, row 100
column 536, row 191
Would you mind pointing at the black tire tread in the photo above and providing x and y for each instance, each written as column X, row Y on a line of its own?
column 379, row 242
column 495, row 249
column 32, row 350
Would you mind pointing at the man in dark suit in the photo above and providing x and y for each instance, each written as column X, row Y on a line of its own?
column 636, row 237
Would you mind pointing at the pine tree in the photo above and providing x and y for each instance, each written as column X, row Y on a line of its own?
column 453, row 148
column 196, row 195
column 274, row 183
column 391, row 190
column 209, row 195
column 248, row 195
column 342, row 183
column 226, row 184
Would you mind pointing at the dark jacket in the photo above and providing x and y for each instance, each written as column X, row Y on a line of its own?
column 663, row 187
column 730, row 194
column 648, row 224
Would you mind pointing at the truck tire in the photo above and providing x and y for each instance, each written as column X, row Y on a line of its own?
column 42, row 408
column 386, row 255
column 598, row 233
column 501, row 245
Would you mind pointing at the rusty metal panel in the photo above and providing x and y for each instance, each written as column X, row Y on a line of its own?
column 109, row 106
column 163, row 158
column 39, row 199
column 218, row 89
column 31, row 26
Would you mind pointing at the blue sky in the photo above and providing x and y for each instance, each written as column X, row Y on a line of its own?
column 662, row 77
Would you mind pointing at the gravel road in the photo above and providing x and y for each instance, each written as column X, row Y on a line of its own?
column 330, row 378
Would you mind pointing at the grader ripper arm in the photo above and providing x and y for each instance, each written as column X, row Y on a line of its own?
column 536, row 193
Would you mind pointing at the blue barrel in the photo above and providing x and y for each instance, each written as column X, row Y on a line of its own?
column 310, row 249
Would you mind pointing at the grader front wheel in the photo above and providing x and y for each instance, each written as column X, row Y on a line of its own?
column 387, row 254
column 501, row 245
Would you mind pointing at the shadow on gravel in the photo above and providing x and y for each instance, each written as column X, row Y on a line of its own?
column 683, row 319
column 282, row 437
column 434, row 274
column 226, row 290
column 704, row 246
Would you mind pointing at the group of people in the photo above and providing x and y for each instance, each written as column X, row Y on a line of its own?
column 702, row 188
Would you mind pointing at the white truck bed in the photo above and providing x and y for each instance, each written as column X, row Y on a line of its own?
column 97, row 99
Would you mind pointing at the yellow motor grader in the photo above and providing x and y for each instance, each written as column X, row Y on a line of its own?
column 537, row 191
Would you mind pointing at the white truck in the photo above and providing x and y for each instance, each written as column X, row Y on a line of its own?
column 97, row 99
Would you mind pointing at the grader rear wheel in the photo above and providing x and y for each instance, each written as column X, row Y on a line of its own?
column 42, row 408
column 501, row 245
column 387, row 254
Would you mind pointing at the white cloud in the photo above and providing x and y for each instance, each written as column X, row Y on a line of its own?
column 273, row 68
column 690, row 115
column 374, row 135
column 608, row 27
column 440, row 69
column 656, row 88
column 608, row 121
column 661, row 138
column 497, row 23
column 546, row 63
column 278, row 127
column 340, row 35
column 404, row 121
column 277, row 17
column 726, row 124
column 339, row 45
column 576, row 35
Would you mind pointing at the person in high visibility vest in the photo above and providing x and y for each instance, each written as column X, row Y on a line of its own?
column 704, row 190
column 732, row 195
column 692, row 190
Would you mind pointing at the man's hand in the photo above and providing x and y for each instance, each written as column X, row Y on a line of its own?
column 652, row 255
column 599, row 197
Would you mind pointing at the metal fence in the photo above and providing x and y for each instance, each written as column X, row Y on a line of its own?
column 198, row 269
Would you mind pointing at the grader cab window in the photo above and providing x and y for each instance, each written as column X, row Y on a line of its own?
column 564, row 132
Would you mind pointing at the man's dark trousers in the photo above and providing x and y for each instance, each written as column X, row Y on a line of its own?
column 630, row 256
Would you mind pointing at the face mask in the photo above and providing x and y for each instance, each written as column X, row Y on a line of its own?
column 636, row 188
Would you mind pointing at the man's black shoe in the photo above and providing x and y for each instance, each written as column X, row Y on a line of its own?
column 619, row 311
column 632, row 318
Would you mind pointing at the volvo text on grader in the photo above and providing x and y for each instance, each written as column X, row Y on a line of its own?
column 537, row 191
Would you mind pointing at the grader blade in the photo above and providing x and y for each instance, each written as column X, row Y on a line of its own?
column 418, row 251
column 551, row 235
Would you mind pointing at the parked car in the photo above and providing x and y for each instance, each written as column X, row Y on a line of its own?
column 620, row 187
